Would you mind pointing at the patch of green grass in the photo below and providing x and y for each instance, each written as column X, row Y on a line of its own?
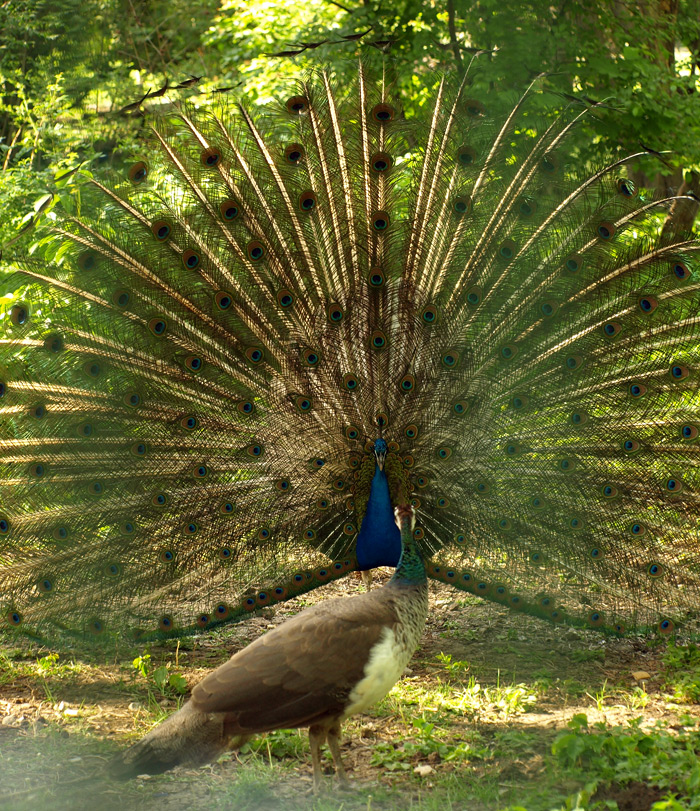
column 682, row 665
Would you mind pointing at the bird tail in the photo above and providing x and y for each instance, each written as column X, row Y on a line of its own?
column 187, row 738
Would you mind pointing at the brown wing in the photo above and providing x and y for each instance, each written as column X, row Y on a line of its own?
column 302, row 670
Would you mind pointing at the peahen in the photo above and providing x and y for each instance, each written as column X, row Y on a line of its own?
column 214, row 350
column 332, row 660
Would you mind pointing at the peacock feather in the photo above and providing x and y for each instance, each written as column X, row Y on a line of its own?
column 212, row 350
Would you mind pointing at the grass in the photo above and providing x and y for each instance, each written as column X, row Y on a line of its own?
column 497, row 714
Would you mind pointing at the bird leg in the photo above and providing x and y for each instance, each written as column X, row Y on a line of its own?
column 318, row 735
column 333, row 738
column 367, row 578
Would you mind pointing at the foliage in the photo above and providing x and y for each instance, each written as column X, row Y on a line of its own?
column 167, row 682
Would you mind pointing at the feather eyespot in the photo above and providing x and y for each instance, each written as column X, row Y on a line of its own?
column 159, row 500
column 673, row 485
column 382, row 113
column 335, row 313
column 549, row 308
column 311, row 357
column 689, row 432
column 87, row 261
column 245, row 407
column 513, row 449
column 509, row 351
column 573, row 264
column 200, row 471
column 322, row 504
column 519, row 401
column 351, row 432
column 625, row 187
column 303, row 403
column 223, row 299
column 609, row 491
column 460, row 407
column 444, row 452
column 422, row 481
column 474, row 107
column 112, row 570
column 611, row 329
column 466, row 155
column 190, row 259
column 229, row 209
column 655, row 570
column 189, row 423
column 285, row 298
column 573, row 362
column 294, row 154
column 132, row 399
column 637, row 390
column 377, row 339
column 96, row 488
column 38, row 412
column 349, row 528
column 376, row 278
column 411, row 431
column 255, row 450
column 350, row 382
column 638, row 529
column 380, row 221
column 550, row 163
column 442, row 502
column 166, row 623
column 380, row 162
column 226, row 508
column 430, row 314
column 37, row 470
column 297, row 105
column 194, row 363
column 45, row 585
column 681, row 271
column 381, row 420
column 666, row 627
column 407, row 383
column 19, row 314
column 255, row 250
column 210, row 157
column 595, row 619
column 282, row 485
column 254, row 354
column 161, row 229
column 262, row 598
column 647, row 304
column 630, row 446
column 526, row 207
column 190, row 528
column 474, row 295
column 138, row 449
column 121, row 298
column 264, row 533
column 408, row 461
column 317, row 463
column 579, row 417
column 203, row 620
column 462, row 205
column 679, row 372
column 307, row 201
column 138, row 172
column 93, row 369
column 507, row 250
column 158, row 326
column 14, row 618
column 451, row 359
column 54, row 343
column 605, row 230
column 61, row 533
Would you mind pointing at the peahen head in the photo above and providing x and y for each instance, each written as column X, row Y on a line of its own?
column 380, row 451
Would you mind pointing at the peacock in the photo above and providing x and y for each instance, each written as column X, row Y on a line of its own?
column 227, row 363
column 299, row 674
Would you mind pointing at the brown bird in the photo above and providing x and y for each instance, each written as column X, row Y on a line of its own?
column 331, row 661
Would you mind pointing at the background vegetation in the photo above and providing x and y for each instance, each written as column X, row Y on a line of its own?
column 72, row 73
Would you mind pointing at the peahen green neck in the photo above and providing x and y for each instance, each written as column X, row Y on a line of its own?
column 410, row 569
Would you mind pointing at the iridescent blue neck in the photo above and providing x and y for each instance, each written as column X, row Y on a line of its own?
column 379, row 541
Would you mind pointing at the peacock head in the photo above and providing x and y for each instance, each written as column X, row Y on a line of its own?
column 380, row 451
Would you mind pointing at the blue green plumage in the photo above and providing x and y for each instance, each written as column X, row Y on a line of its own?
column 208, row 343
